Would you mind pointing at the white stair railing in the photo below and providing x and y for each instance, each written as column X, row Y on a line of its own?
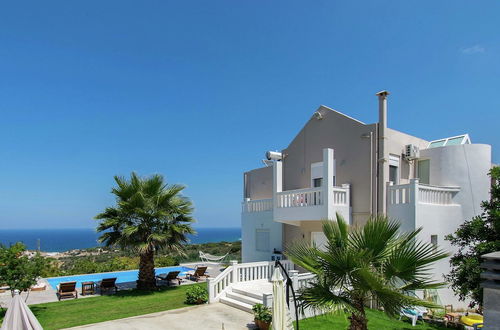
column 245, row 272
column 304, row 280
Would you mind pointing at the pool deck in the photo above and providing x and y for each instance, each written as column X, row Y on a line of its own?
column 49, row 294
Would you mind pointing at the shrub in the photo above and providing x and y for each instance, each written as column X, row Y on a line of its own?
column 196, row 295
column 262, row 313
column 165, row 261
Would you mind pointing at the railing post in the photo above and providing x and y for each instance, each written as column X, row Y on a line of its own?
column 294, row 275
column 234, row 264
column 347, row 188
column 211, row 290
column 267, row 300
column 414, row 191
column 389, row 195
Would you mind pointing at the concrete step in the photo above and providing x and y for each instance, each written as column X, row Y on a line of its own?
column 236, row 304
column 243, row 298
column 254, row 295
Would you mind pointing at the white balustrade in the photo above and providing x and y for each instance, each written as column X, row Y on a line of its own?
column 421, row 193
column 245, row 272
column 300, row 197
column 399, row 194
column 217, row 286
column 436, row 195
column 305, row 280
column 340, row 196
column 257, row 205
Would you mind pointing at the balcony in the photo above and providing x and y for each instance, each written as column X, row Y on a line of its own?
column 307, row 204
column 257, row 205
column 417, row 193
column 419, row 205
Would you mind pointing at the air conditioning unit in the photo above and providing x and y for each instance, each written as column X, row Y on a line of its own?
column 412, row 152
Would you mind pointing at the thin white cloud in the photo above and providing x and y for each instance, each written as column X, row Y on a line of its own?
column 476, row 49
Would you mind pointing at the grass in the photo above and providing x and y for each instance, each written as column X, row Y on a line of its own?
column 376, row 320
column 71, row 313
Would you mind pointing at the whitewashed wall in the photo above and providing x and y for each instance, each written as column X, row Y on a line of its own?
column 252, row 221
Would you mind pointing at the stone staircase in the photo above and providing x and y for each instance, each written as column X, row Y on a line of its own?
column 244, row 295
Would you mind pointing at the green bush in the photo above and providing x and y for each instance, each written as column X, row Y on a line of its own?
column 196, row 295
column 165, row 261
column 262, row 313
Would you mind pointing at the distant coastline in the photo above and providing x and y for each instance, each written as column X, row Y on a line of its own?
column 60, row 240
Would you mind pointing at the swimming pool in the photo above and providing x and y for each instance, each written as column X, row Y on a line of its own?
column 121, row 277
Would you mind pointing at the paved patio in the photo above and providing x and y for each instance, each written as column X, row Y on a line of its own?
column 212, row 316
column 49, row 294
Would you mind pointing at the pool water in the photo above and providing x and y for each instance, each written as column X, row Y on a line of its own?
column 121, row 277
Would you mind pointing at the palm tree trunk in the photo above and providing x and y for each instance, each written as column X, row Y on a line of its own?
column 146, row 279
column 358, row 319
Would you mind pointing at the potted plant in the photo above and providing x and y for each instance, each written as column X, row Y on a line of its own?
column 196, row 295
column 262, row 316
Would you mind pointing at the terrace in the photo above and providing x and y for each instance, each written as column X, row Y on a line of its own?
column 49, row 294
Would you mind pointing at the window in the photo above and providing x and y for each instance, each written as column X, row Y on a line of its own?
column 424, row 171
column 393, row 174
column 434, row 240
column 451, row 141
column 394, row 169
column 317, row 174
column 262, row 240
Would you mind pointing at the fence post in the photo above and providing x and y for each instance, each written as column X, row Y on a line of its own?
column 211, row 290
column 234, row 264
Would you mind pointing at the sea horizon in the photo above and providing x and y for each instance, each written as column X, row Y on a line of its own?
column 65, row 239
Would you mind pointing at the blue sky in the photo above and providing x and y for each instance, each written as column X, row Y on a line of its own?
column 199, row 90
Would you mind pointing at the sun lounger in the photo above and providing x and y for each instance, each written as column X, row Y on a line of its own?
column 107, row 284
column 171, row 276
column 411, row 314
column 198, row 274
column 38, row 287
column 67, row 290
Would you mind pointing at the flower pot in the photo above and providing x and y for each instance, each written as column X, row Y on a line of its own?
column 262, row 325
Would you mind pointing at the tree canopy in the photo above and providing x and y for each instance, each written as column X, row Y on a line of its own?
column 475, row 237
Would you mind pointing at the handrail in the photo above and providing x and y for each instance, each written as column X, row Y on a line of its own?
column 217, row 286
column 245, row 272
column 289, row 285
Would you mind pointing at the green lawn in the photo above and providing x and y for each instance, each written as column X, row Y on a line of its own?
column 70, row 313
column 376, row 320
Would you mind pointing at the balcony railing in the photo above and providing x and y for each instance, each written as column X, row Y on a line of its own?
column 436, row 195
column 421, row 193
column 300, row 197
column 257, row 205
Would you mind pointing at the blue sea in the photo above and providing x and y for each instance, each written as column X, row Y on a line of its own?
column 58, row 240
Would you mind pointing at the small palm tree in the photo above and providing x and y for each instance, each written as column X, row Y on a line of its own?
column 375, row 261
column 149, row 215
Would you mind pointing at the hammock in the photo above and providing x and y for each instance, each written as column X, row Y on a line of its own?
column 205, row 257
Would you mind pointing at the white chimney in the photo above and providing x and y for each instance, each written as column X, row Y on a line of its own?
column 382, row 108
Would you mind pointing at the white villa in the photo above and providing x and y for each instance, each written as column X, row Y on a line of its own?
column 339, row 164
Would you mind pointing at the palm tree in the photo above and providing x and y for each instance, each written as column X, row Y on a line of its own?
column 357, row 264
column 149, row 215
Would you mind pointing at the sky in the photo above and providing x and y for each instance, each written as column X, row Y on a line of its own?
column 199, row 90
